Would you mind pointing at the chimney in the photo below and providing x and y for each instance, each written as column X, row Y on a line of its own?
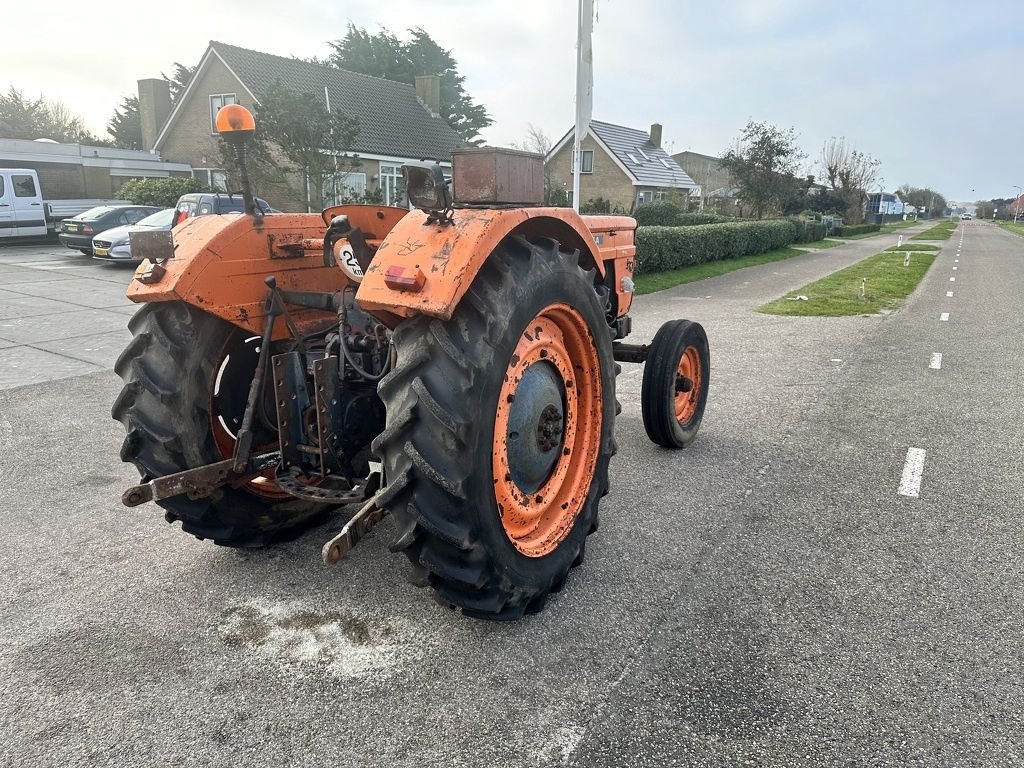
column 428, row 90
column 656, row 134
column 154, row 107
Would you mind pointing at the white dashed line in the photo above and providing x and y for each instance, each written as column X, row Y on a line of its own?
column 949, row 294
column 944, row 316
column 956, row 261
column 955, row 269
column 913, row 468
column 952, row 279
column 936, row 362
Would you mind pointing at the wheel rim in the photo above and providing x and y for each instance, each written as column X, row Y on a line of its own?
column 687, row 385
column 235, row 367
column 547, row 430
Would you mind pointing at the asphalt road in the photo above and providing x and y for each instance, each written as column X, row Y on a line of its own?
column 765, row 597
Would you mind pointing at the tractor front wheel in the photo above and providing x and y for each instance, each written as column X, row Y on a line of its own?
column 499, row 432
column 675, row 385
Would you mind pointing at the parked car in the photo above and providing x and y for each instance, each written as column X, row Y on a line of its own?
column 78, row 231
column 207, row 203
column 115, row 244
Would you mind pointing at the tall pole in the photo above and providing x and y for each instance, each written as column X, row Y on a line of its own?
column 1016, row 203
column 584, row 91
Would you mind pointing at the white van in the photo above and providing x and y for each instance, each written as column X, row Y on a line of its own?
column 24, row 213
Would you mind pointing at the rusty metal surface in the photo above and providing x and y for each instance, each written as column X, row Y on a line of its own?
column 497, row 176
column 355, row 529
column 451, row 255
column 155, row 246
column 220, row 263
column 196, row 483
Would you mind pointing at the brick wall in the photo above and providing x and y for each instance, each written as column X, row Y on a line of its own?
column 607, row 181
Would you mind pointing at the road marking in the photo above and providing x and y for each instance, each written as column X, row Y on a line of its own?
column 936, row 362
column 956, row 261
column 954, row 269
column 949, row 294
column 944, row 316
column 913, row 468
column 952, row 279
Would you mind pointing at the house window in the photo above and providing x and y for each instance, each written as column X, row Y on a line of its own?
column 343, row 188
column 216, row 102
column 211, row 178
column 587, row 163
column 644, row 196
column 392, row 185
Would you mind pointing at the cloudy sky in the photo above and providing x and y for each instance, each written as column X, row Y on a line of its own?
column 927, row 88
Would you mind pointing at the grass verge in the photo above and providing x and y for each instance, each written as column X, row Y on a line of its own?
column 1017, row 228
column 659, row 281
column 886, row 285
column 941, row 231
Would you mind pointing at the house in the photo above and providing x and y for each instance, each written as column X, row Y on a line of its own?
column 717, row 188
column 882, row 204
column 625, row 166
column 398, row 123
column 69, row 171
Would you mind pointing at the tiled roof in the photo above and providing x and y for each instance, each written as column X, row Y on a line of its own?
column 649, row 164
column 392, row 121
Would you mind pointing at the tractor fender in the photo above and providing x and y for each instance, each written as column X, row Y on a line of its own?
column 425, row 267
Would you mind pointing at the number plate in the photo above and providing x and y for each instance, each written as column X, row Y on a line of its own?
column 100, row 251
column 70, row 227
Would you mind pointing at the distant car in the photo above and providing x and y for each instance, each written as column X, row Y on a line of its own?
column 78, row 231
column 211, row 203
column 965, row 216
column 115, row 244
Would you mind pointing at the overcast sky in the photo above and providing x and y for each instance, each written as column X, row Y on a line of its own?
column 927, row 88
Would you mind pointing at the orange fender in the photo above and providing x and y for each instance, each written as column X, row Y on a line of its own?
column 220, row 263
column 423, row 268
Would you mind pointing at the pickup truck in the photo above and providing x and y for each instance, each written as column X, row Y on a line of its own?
column 24, row 213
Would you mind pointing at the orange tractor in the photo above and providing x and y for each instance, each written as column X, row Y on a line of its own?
column 452, row 366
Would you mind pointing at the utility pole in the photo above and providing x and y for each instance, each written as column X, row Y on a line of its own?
column 1016, row 203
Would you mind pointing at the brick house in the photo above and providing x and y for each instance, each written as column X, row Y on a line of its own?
column 717, row 188
column 397, row 123
column 624, row 166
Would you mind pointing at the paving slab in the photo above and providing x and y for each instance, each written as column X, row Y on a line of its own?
column 27, row 365
column 15, row 305
column 100, row 349
column 84, row 292
column 16, row 275
column 65, row 325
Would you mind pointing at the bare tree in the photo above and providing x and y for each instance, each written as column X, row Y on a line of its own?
column 537, row 141
column 850, row 173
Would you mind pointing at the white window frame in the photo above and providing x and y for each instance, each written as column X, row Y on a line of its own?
column 223, row 103
column 206, row 176
column 390, row 190
column 640, row 199
column 584, row 153
column 350, row 185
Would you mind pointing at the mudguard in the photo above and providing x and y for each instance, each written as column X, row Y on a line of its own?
column 424, row 267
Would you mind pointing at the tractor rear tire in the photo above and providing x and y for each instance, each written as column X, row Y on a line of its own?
column 171, row 408
column 499, row 432
column 675, row 384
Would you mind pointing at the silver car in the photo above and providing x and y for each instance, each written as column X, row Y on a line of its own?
column 114, row 244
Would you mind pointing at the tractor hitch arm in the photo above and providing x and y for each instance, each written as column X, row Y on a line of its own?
column 198, row 483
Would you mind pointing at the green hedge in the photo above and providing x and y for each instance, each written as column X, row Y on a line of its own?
column 163, row 192
column 663, row 248
column 849, row 230
column 663, row 213
column 810, row 231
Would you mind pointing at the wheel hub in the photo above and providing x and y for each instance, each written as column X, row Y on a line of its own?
column 535, row 426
